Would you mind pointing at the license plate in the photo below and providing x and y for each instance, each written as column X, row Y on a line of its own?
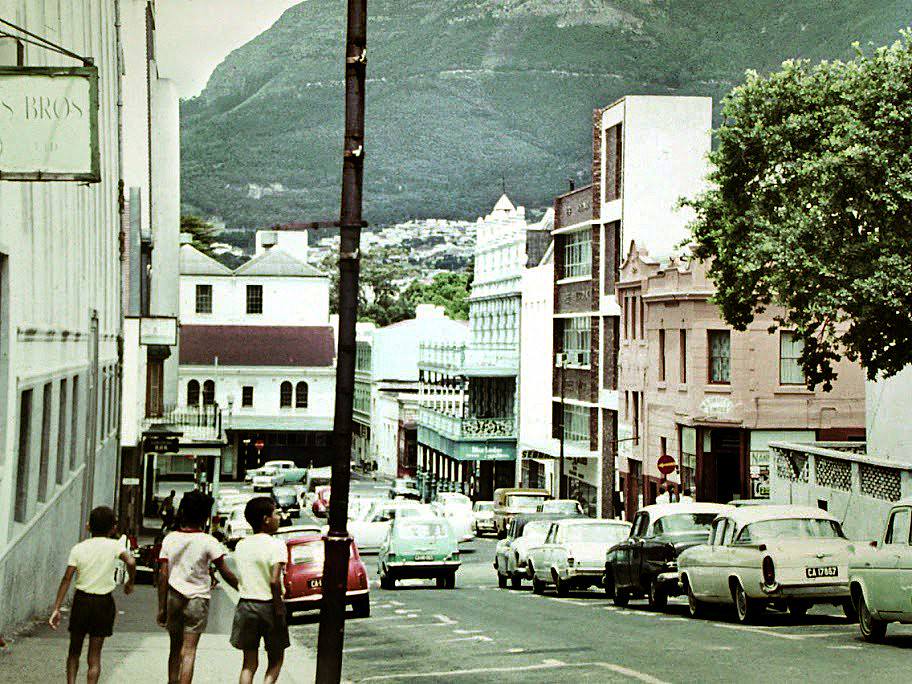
column 825, row 571
column 315, row 583
column 423, row 557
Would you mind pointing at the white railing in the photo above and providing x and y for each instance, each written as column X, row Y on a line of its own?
column 457, row 428
column 441, row 356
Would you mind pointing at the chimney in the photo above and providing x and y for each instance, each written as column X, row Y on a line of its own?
column 186, row 238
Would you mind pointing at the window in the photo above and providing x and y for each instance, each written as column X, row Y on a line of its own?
column 208, row 393
column 285, row 395
column 898, row 529
column 636, row 417
column 301, row 395
column 576, row 423
column 682, row 353
column 633, row 317
column 790, row 348
column 662, row 355
column 45, row 454
column 578, row 254
column 193, row 393
column 61, row 431
column 22, row 465
column 719, row 356
column 247, row 396
column 577, row 341
column 103, row 411
column 254, row 299
column 155, row 389
column 642, row 318
column 74, row 423
column 204, row 299
column 663, row 443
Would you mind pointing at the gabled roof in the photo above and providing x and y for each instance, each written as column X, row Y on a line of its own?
column 194, row 262
column 504, row 204
column 276, row 262
column 257, row 345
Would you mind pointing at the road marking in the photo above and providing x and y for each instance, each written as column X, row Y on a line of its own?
column 516, row 650
column 759, row 630
column 545, row 665
column 477, row 637
column 467, row 631
column 845, row 647
column 570, row 602
column 444, row 619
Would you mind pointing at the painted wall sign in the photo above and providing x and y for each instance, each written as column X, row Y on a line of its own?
column 716, row 407
column 49, row 124
column 160, row 330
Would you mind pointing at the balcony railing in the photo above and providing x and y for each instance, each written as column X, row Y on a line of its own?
column 441, row 356
column 467, row 429
column 197, row 423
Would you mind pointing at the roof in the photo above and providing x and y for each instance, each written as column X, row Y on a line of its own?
column 751, row 514
column 504, row 204
column 593, row 521
column 194, row 262
column 276, row 262
column 257, row 345
column 660, row 510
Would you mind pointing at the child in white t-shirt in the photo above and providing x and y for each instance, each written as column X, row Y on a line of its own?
column 185, row 584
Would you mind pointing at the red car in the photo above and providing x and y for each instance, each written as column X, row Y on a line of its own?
column 304, row 577
column 320, row 505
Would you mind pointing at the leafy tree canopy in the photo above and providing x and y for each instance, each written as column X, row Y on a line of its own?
column 810, row 208
column 203, row 232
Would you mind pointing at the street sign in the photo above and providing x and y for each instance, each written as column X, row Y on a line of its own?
column 666, row 464
column 259, row 444
column 129, row 481
column 161, row 445
column 158, row 330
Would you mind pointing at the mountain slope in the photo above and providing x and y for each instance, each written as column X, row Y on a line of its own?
column 461, row 92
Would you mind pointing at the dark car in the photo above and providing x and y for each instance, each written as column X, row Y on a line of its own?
column 646, row 563
column 404, row 488
column 286, row 499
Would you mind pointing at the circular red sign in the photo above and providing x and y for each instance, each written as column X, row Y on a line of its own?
column 666, row 464
column 259, row 444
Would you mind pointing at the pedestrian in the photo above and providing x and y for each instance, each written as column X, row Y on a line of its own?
column 167, row 511
column 184, row 585
column 93, row 562
column 664, row 496
column 686, row 496
column 260, row 613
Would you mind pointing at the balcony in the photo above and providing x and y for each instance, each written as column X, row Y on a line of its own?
column 441, row 357
column 196, row 424
column 467, row 429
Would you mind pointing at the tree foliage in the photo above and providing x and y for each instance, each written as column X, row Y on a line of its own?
column 810, row 208
column 203, row 232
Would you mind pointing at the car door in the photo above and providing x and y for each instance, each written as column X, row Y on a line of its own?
column 643, row 533
column 699, row 569
column 622, row 557
column 504, row 549
column 538, row 554
column 893, row 591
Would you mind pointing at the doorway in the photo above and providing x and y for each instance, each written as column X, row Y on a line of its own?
column 726, row 453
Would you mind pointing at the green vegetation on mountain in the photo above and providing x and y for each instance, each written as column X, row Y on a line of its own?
column 461, row 92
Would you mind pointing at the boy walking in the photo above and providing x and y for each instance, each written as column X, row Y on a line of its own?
column 185, row 584
column 260, row 612
column 94, row 563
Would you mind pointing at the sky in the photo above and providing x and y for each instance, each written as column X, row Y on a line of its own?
column 194, row 36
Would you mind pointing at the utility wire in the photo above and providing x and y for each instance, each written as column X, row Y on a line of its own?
column 45, row 43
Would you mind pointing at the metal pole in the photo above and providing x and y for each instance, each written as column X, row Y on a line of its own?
column 335, row 570
column 561, row 488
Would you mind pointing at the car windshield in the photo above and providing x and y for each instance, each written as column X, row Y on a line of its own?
column 403, row 512
column 311, row 552
column 560, row 507
column 684, row 522
column 524, row 501
column 596, row 533
column 422, row 530
column 792, row 528
column 535, row 532
column 484, row 506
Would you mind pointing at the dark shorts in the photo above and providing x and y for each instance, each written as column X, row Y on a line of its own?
column 92, row 614
column 186, row 614
column 255, row 620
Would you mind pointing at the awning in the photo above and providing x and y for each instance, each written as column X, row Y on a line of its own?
column 490, row 450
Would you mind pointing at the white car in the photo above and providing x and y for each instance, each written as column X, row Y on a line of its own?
column 459, row 515
column 573, row 553
column 511, row 555
column 279, row 465
column 264, row 479
column 787, row 556
column 483, row 515
column 372, row 527
column 237, row 527
column 880, row 575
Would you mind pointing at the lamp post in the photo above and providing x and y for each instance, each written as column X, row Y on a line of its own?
column 561, row 363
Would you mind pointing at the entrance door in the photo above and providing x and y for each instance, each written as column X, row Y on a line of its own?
column 726, row 452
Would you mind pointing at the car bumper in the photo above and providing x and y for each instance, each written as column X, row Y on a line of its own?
column 314, row 600
column 485, row 526
column 419, row 569
column 670, row 582
column 579, row 573
column 835, row 590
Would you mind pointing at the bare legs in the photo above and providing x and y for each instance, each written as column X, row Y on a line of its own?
column 273, row 667
column 249, row 668
column 73, row 655
column 174, row 657
column 188, row 656
column 94, row 671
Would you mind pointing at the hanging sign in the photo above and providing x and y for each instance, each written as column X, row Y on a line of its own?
column 49, row 124
column 666, row 464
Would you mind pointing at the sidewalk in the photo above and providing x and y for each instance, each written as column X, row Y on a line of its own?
column 138, row 651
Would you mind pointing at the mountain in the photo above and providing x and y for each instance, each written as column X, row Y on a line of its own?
column 463, row 93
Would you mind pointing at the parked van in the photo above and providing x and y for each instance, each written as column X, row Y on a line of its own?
column 510, row 501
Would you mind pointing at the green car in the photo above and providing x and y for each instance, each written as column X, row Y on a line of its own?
column 419, row 548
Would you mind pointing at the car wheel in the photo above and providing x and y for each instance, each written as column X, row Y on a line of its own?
column 362, row 607
column 451, row 581
column 516, row 582
column 746, row 608
column 441, row 582
column 798, row 609
column 538, row 587
column 694, row 605
column 657, row 597
column 501, row 580
column 848, row 608
column 872, row 629
column 621, row 597
column 387, row 582
column 562, row 587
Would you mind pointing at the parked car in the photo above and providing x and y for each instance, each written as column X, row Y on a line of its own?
column 304, row 577
column 561, row 507
column 320, row 505
column 279, row 465
column 511, row 555
column 457, row 510
column 263, row 480
column 573, row 553
column 419, row 548
column 880, row 575
column 286, row 500
column 371, row 528
column 316, row 477
column 793, row 556
column 405, row 488
column 749, row 502
column 236, row 527
column 298, row 531
column 511, row 501
column 483, row 517
column 645, row 564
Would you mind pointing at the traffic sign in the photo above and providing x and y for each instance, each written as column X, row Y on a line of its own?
column 666, row 464
column 259, row 444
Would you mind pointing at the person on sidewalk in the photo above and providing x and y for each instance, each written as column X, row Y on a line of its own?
column 184, row 585
column 664, row 496
column 260, row 613
column 94, row 562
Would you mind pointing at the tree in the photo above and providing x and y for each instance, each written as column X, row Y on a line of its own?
column 449, row 290
column 810, row 208
column 203, row 232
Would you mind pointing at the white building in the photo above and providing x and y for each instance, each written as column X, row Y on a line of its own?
column 60, row 321
column 256, row 346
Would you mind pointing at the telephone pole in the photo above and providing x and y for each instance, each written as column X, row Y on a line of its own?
column 337, row 541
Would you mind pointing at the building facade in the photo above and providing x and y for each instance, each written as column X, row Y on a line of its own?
column 467, row 423
column 711, row 397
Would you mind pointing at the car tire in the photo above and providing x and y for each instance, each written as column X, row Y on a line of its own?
column 501, row 580
column 798, row 609
column 451, row 581
column 848, row 608
column 538, row 586
column 656, row 595
column 872, row 629
column 441, row 582
column 387, row 582
column 362, row 607
column 621, row 597
column 562, row 587
column 746, row 608
column 516, row 582
column 694, row 605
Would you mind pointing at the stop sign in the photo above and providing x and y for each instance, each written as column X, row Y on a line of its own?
column 259, row 444
column 666, row 464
